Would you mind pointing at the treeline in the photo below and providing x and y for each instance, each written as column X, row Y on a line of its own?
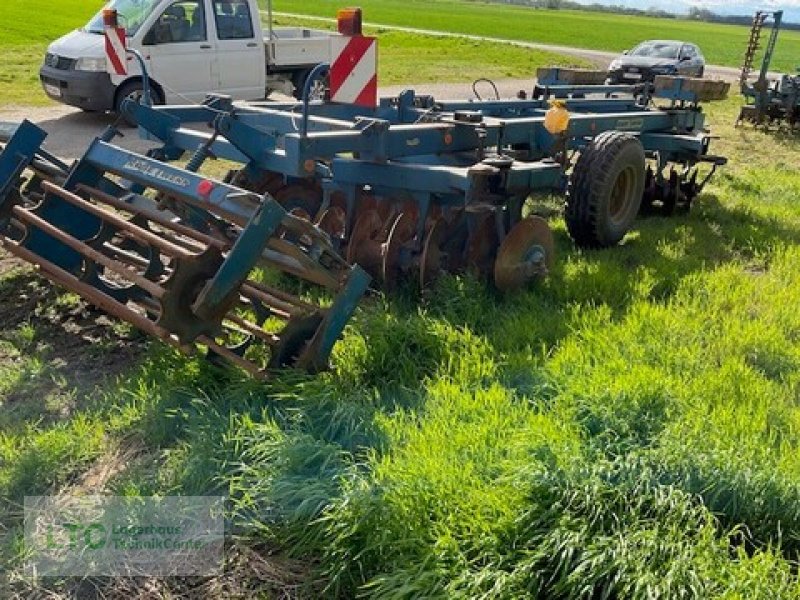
column 703, row 14
column 695, row 14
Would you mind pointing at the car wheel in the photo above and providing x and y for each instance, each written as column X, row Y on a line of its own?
column 133, row 90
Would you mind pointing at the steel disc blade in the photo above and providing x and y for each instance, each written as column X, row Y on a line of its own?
column 296, row 196
column 364, row 248
column 433, row 254
column 333, row 222
column 525, row 254
column 482, row 245
column 402, row 231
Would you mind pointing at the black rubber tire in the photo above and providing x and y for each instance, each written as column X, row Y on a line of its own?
column 299, row 81
column 130, row 88
column 605, row 190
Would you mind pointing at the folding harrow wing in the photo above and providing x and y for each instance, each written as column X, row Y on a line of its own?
column 190, row 260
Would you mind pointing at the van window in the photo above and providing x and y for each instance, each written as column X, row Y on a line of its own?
column 233, row 19
column 183, row 21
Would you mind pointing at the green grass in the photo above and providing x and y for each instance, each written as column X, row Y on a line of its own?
column 722, row 44
column 629, row 428
column 26, row 29
column 411, row 58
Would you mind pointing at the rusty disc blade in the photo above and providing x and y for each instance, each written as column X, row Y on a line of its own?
column 402, row 231
column 333, row 222
column 364, row 248
column 433, row 255
column 527, row 253
column 299, row 197
column 482, row 245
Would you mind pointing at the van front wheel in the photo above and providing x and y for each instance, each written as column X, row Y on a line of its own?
column 134, row 90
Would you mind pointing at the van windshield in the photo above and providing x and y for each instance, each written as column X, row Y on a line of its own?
column 132, row 14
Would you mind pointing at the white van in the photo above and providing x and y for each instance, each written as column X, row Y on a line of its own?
column 191, row 47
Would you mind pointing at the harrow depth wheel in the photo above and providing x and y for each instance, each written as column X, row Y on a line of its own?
column 605, row 190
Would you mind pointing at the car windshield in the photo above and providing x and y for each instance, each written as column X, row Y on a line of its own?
column 132, row 14
column 657, row 50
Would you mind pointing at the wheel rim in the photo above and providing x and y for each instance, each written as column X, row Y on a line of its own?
column 621, row 195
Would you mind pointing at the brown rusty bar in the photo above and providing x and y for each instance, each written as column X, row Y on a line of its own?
column 279, row 308
column 141, row 234
column 252, row 329
column 101, row 196
column 92, row 295
column 117, row 267
column 280, row 295
column 232, row 357
column 125, row 255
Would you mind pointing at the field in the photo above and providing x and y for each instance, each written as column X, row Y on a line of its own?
column 404, row 56
column 722, row 44
column 627, row 429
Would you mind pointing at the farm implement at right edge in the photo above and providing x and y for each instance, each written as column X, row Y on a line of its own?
column 776, row 101
column 324, row 196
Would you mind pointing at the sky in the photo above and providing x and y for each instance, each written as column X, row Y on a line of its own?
column 726, row 7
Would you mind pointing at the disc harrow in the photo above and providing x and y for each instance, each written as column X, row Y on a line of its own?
column 417, row 187
column 206, row 277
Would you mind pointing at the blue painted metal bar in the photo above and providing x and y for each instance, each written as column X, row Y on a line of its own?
column 19, row 153
column 315, row 356
column 190, row 187
column 216, row 297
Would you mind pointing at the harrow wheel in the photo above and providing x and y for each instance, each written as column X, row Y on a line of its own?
column 526, row 254
column 605, row 190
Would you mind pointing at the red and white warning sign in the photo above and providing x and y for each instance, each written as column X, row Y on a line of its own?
column 354, row 70
column 116, row 53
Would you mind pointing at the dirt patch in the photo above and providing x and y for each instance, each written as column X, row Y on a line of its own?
column 79, row 346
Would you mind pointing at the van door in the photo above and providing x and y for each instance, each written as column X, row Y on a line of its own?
column 240, row 50
column 181, row 51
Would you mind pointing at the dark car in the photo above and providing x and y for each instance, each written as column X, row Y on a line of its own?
column 657, row 57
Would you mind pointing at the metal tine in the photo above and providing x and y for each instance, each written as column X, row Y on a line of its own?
column 130, row 257
column 94, row 296
column 284, row 305
column 125, row 271
column 232, row 357
column 153, row 216
column 253, row 329
column 140, row 234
